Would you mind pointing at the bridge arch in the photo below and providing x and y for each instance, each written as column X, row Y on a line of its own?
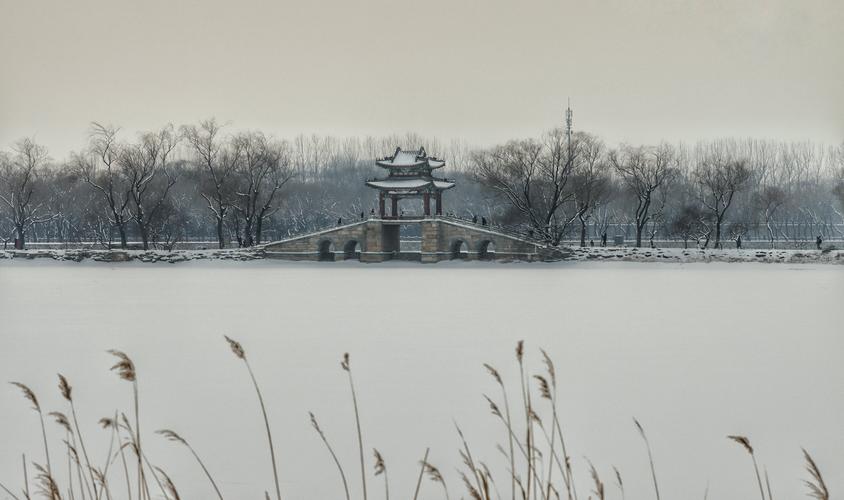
column 486, row 250
column 459, row 249
column 326, row 250
column 351, row 250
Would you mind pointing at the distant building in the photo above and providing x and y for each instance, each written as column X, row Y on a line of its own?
column 410, row 175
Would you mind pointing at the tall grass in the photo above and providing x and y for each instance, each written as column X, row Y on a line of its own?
column 531, row 449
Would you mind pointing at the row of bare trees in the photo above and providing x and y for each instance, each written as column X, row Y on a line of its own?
column 207, row 182
column 553, row 183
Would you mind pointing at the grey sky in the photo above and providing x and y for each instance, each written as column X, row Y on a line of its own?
column 483, row 71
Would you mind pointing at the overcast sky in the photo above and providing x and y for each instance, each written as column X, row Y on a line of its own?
column 484, row 71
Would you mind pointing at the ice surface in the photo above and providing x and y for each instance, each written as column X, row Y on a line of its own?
column 694, row 351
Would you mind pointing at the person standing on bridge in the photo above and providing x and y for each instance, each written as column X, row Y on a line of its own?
column 483, row 221
column 339, row 221
column 474, row 219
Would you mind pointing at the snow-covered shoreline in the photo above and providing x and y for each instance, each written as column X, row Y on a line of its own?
column 575, row 254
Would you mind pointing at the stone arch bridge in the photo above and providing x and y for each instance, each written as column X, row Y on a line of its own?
column 443, row 238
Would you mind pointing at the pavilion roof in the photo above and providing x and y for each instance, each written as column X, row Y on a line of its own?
column 410, row 159
column 410, row 184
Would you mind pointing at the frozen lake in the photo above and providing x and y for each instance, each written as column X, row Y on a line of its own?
column 695, row 352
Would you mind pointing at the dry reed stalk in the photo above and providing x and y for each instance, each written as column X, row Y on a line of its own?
column 67, row 392
column 61, row 420
column 9, row 492
column 550, row 393
column 650, row 455
column 133, row 445
column 381, row 468
column 345, row 365
column 745, row 443
column 168, row 484
column 106, row 467
column 125, row 369
column 25, row 479
column 520, row 350
column 509, row 423
column 172, row 436
column 30, row 396
column 599, row 485
column 46, row 483
column 238, row 351
column 817, row 486
column 316, row 427
column 497, row 412
column 619, row 482
column 115, row 426
column 768, row 485
column 571, row 489
column 71, row 449
column 435, row 476
column 421, row 473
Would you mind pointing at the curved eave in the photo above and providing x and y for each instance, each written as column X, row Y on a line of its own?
column 427, row 163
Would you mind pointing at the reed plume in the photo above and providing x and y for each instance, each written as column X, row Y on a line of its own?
column 816, row 485
column 619, row 482
column 650, row 455
column 599, row 485
column 172, row 436
column 168, row 485
column 46, row 484
column 30, row 396
column 238, row 351
column 67, row 392
column 435, row 476
column 745, row 443
column 125, row 369
column 381, row 468
column 317, row 428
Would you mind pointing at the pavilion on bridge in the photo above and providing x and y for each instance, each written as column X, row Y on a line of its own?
column 410, row 175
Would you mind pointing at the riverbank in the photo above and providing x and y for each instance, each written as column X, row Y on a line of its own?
column 576, row 254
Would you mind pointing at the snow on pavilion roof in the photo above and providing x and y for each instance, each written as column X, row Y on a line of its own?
column 410, row 158
column 410, row 184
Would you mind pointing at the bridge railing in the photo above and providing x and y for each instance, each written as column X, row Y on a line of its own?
column 513, row 231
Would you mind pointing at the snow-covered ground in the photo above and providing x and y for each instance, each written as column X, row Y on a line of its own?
column 694, row 351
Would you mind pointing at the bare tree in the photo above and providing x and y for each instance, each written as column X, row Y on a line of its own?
column 263, row 169
column 719, row 177
column 142, row 165
column 534, row 178
column 643, row 170
column 218, row 158
column 769, row 200
column 99, row 167
column 590, row 180
column 20, row 187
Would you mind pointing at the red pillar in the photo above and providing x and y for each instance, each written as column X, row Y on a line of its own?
column 395, row 206
column 439, row 200
column 381, row 203
column 426, row 203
